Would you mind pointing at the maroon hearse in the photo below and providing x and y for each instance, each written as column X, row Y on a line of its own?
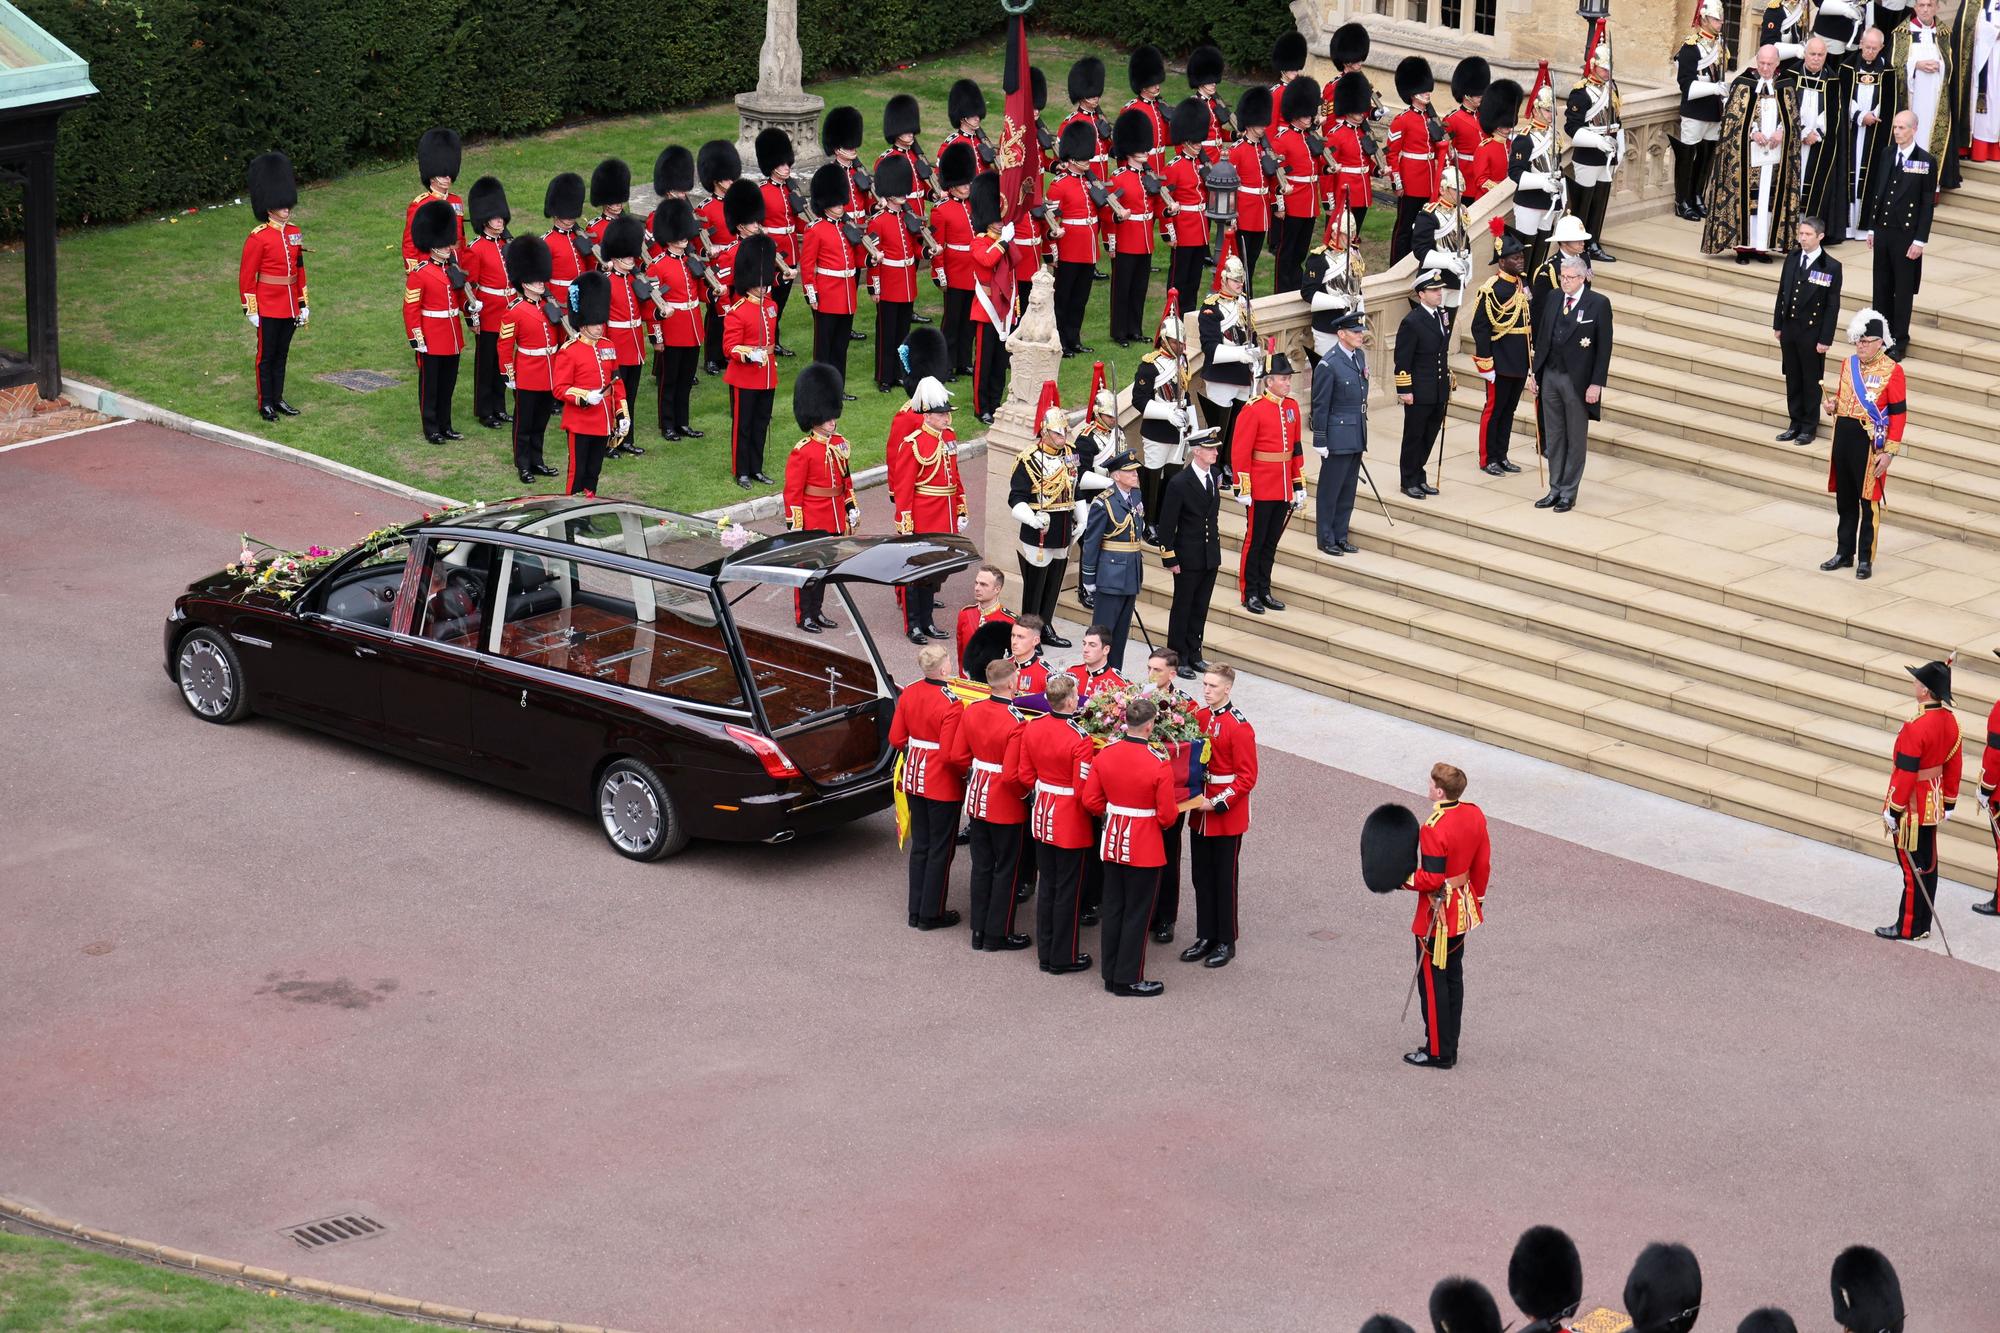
column 599, row 654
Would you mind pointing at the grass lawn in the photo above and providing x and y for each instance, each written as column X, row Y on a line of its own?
column 151, row 308
column 46, row 1284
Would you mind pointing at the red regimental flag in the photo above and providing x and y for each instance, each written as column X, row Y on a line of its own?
column 1020, row 147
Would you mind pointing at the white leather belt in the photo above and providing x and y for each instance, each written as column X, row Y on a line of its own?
column 1467, row 157
column 834, row 272
column 683, row 305
column 1299, row 180
column 1132, row 811
column 622, row 324
column 1250, row 189
column 960, row 248
column 981, row 766
column 534, row 351
column 497, row 291
column 777, row 231
column 915, row 744
column 440, row 314
column 1080, row 222
column 1221, row 777
column 1355, row 171
column 1415, row 157
column 1044, row 789
column 897, row 263
column 1137, row 217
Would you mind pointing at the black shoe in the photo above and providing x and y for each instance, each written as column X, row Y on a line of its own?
column 1099, row 275
column 1091, row 916
column 1272, row 604
column 1989, row 908
column 542, row 470
column 1254, row 605
column 1025, row 892
column 1425, row 1060
column 1088, row 598
column 1743, row 257
column 1082, row 964
column 1788, row 433
column 856, row 336
column 825, row 621
column 1805, row 437
column 434, row 439
column 1837, row 562
column 933, row 630
column 1547, row 500
column 985, row 418
column 979, row 939
column 1124, row 342
column 1508, row 467
column 1200, row 664
column 762, row 479
column 921, row 319
column 1007, row 943
column 1414, row 492
column 1220, row 958
column 1681, row 211
column 913, row 921
column 489, row 423
column 268, row 412
column 917, row 636
column 288, row 410
column 887, row 388
column 1151, row 535
column 669, row 434
column 691, row 433
column 1331, row 550
column 503, row 416
column 451, row 435
column 1082, row 347
column 527, row 477
column 1564, row 505
column 809, row 626
column 1429, row 489
column 1138, row 990
column 942, row 921
column 1600, row 255
column 637, row 451
column 1197, row 951
column 1051, row 639
column 1896, row 933
column 783, row 350
column 1494, row 470
column 964, row 837
column 1765, row 257
column 1185, row 672
column 1349, row 548
column 1163, row 934
column 1864, row 569
column 849, row 398
column 744, row 482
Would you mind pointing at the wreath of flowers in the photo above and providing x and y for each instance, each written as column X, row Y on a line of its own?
column 285, row 573
column 1103, row 717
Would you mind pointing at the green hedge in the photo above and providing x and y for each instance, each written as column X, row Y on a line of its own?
column 190, row 90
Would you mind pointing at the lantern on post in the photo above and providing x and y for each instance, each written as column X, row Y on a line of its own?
column 1221, row 183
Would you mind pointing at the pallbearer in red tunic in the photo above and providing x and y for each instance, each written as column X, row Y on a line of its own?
column 1024, row 643
column 1051, row 765
column 1130, row 788
column 819, row 488
column 272, row 278
column 437, row 167
column 587, row 384
column 569, row 244
column 487, row 293
column 1095, row 671
column 925, row 729
column 1989, row 780
column 530, row 334
column 988, row 747
column 1217, row 824
column 1923, row 788
column 1455, row 860
column 988, row 583
column 1868, row 416
column 433, row 305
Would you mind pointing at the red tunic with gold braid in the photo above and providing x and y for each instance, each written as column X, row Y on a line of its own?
column 819, row 487
column 1454, row 862
column 1924, row 782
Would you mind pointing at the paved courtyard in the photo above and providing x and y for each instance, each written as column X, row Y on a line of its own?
column 256, row 976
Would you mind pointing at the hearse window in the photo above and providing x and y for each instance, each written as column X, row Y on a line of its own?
column 366, row 593
column 455, row 594
column 801, row 675
column 626, row 629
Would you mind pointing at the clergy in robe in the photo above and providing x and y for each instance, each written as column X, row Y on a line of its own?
column 1872, row 98
column 1821, row 86
column 1922, row 53
column 1977, row 30
column 1753, row 197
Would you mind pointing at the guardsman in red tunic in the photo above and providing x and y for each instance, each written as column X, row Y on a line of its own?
column 1462, row 135
column 433, row 305
column 750, row 340
column 437, row 167
column 1129, row 204
column 1130, row 788
column 1248, row 155
column 587, row 385
column 1267, row 450
column 819, row 487
column 951, row 224
column 1923, row 788
column 673, row 178
column 1183, row 196
column 569, row 244
column 1216, row 826
column 1073, row 221
column 1347, row 142
column 1454, row 862
column 1204, row 76
column 1989, row 779
column 993, row 297
column 928, row 715
column 530, row 335
column 674, row 316
column 1288, row 57
column 272, row 278
column 1298, row 181
column 988, row 749
column 610, row 192
column 1410, row 154
column 895, row 243
column 1086, row 90
column 720, row 168
column 840, row 135
column 620, row 250
column 1024, row 643
column 1095, row 671
column 988, row 583
column 1146, row 72
column 1499, row 113
column 902, row 122
column 827, row 272
column 782, row 220
column 487, row 293
column 1051, row 765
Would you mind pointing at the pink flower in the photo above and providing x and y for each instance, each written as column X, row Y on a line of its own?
column 246, row 557
column 314, row 552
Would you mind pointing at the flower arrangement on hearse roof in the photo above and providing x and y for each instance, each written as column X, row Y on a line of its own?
column 1176, row 729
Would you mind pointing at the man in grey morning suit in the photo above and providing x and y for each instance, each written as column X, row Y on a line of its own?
column 1340, row 429
column 1572, row 358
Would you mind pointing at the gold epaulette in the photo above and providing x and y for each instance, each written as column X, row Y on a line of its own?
column 1211, row 299
column 259, row 227
column 420, row 198
column 1152, row 356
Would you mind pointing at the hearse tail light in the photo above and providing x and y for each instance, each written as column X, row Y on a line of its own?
column 768, row 754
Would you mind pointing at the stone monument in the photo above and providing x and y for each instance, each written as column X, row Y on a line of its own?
column 781, row 101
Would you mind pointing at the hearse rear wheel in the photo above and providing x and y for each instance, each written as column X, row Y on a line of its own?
column 211, row 677
column 636, row 813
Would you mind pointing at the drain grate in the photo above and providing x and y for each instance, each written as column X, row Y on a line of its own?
column 360, row 381
column 334, row 1230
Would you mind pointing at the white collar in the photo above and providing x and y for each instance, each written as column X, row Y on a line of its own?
column 1809, row 257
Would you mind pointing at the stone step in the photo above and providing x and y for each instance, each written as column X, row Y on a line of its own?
column 1979, row 195
column 1768, row 782
column 1962, row 224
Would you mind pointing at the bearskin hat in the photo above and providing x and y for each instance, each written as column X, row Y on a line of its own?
column 564, row 197
column 894, row 178
column 984, row 202
column 611, row 183
column 924, row 354
column 774, row 150
column 272, row 184
column 1350, row 45
column 437, row 155
column 957, row 165
column 742, row 202
column 1413, row 76
column 1663, row 1288
column 717, row 161
column 528, row 260
column 673, row 171
column 1086, row 79
column 901, row 115
column 841, row 129
column 1299, row 100
column 1204, row 65
column 1352, row 94
column 1189, row 122
column 1288, row 53
column 1545, row 1276
column 1502, row 108
column 1078, row 141
column 756, row 264
column 816, row 395
column 434, row 226
column 1461, row 1305
column 624, row 238
column 1389, row 847
column 1385, row 1323
column 590, row 298
column 674, row 220
column 1253, row 109
column 829, row 187
column 1867, row 1297
column 486, row 200
column 964, row 102
column 1471, row 78
column 1147, row 68
column 1132, row 133
column 1770, row 1319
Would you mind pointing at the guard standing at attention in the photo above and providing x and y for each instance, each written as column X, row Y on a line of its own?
column 781, row 218
column 1113, row 557
column 925, row 729
column 1423, row 378
column 272, row 278
column 1218, row 822
column 896, row 237
column 1868, row 414
column 610, row 192
column 1130, row 788
column 826, row 268
column 951, row 224
column 1051, row 764
column 819, row 484
column 1500, row 349
column 1041, row 495
column 569, row 244
column 720, row 168
column 1272, row 457
column 1469, row 82
column 437, row 167
column 1412, row 150
column 1298, row 180
column 1257, row 176
column 1923, row 788
column 988, row 748
column 1454, row 862
column 750, row 340
column 433, row 304
column 487, row 293
column 620, row 248
column 675, row 316
column 586, row 381
column 530, row 334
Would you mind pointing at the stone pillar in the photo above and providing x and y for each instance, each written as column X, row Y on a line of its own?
column 1034, row 354
column 780, row 101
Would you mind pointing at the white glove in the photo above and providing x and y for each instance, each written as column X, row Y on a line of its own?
column 594, row 397
column 1705, row 88
column 755, row 356
column 304, row 315
column 1947, row 815
column 1041, row 521
column 1227, row 352
column 1985, row 802
column 1320, row 449
column 853, row 517
column 1080, row 512
column 510, row 382
column 1486, row 375
column 964, row 525
column 1537, row 180
column 812, row 297
column 1298, row 497
column 1889, row 820
column 1243, row 498
column 417, row 346
column 1006, row 233
column 251, row 315
column 1791, row 51
column 1090, row 588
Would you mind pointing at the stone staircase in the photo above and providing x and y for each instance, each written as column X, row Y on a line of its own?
column 1674, row 632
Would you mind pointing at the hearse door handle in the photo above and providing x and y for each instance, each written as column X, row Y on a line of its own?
column 524, row 698
column 364, row 652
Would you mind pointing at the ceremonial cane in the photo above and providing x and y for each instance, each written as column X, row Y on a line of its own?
column 1378, row 494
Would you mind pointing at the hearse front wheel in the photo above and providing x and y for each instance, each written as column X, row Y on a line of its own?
column 211, row 677
column 636, row 813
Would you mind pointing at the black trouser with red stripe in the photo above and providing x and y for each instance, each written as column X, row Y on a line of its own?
column 1072, row 294
column 1131, row 275
column 1260, row 547
column 1214, row 865
column 1128, row 906
column 1249, row 245
column 1167, row 906
column 933, row 840
column 996, row 875
column 437, row 376
column 749, row 421
column 586, row 460
column 674, row 369
column 892, row 329
column 711, row 339
column 781, row 293
column 1057, row 910
column 1288, row 265
column 489, row 388
column 989, row 371
column 1444, row 997
column 1920, row 882
column 532, row 409
column 1184, row 275
column 274, row 348
column 1496, row 424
